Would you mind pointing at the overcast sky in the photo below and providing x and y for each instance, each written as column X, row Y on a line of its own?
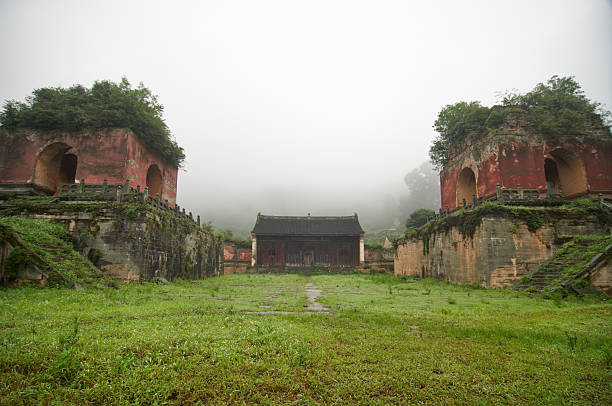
column 304, row 105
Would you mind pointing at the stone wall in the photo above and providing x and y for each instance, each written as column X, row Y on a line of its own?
column 499, row 252
column 133, row 242
column 237, row 259
column 602, row 277
column 379, row 259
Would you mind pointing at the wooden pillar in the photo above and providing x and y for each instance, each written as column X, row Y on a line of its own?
column 361, row 250
column 254, row 251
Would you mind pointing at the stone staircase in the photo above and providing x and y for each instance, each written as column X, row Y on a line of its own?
column 550, row 276
column 542, row 277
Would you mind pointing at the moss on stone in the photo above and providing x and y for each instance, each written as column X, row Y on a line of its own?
column 468, row 220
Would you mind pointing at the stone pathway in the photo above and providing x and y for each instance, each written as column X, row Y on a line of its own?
column 312, row 293
column 314, row 307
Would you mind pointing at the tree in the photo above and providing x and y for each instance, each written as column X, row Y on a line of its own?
column 455, row 123
column 419, row 217
column 105, row 105
column 557, row 107
column 424, row 190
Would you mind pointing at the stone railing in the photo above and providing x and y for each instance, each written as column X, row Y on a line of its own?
column 518, row 196
column 121, row 193
column 589, row 269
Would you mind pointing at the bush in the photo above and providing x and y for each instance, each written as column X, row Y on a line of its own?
column 105, row 105
column 557, row 107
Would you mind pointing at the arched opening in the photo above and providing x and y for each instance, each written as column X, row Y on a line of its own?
column 552, row 176
column 466, row 186
column 54, row 166
column 68, row 167
column 570, row 177
column 154, row 180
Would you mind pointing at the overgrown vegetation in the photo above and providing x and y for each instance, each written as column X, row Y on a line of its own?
column 228, row 236
column 105, row 105
column 467, row 220
column 45, row 247
column 575, row 254
column 419, row 217
column 555, row 108
column 389, row 340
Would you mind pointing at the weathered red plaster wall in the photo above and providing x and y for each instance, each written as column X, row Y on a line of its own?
column 448, row 188
column 488, row 175
column 114, row 155
column 521, row 164
column 140, row 158
column 596, row 157
column 101, row 155
column 521, row 161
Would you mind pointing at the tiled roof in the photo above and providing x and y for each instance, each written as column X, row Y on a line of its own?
column 307, row 225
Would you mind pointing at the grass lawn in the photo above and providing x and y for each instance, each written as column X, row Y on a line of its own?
column 386, row 340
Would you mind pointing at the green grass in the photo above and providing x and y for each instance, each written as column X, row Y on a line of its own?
column 388, row 341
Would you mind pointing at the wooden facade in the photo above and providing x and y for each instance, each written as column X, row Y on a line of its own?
column 307, row 241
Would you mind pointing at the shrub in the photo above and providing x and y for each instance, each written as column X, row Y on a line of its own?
column 105, row 105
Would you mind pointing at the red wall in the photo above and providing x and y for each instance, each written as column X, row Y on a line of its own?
column 596, row 158
column 101, row 155
column 140, row 158
column 448, row 188
column 488, row 176
column 114, row 155
column 523, row 163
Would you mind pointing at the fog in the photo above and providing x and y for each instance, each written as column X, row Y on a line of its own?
column 291, row 107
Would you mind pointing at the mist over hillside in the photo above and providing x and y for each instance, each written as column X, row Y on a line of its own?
column 381, row 205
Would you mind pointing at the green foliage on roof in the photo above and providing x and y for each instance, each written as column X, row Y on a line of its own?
column 105, row 105
column 555, row 108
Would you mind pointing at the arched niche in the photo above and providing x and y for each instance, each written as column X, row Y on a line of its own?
column 552, row 176
column 154, row 180
column 55, row 165
column 564, row 172
column 466, row 186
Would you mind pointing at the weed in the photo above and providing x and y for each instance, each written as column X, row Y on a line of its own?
column 451, row 300
column 606, row 353
column 230, row 311
column 67, row 363
column 174, row 344
column 572, row 340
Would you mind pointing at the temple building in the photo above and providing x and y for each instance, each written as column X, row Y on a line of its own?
column 307, row 241
column 566, row 166
column 46, row 160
